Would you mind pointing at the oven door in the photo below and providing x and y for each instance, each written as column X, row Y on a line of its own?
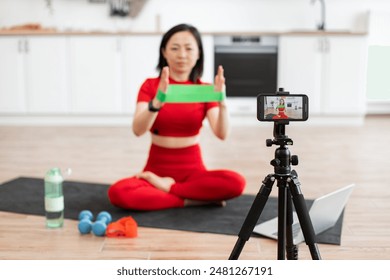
column 249, row 70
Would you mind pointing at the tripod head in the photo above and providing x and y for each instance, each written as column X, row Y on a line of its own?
column 280, row 138
column 283, row 158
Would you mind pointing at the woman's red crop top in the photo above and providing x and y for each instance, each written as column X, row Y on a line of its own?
column 175, row 119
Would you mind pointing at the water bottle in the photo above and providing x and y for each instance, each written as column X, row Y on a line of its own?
column 54, row 198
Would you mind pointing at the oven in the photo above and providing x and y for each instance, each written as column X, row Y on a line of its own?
column 250, row 64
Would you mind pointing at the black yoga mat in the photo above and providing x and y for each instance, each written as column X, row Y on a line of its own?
column 26, row 196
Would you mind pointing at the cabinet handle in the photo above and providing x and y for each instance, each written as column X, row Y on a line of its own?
column 118, row 45
column 26, row 46
column 327, row 45
column 323, row 45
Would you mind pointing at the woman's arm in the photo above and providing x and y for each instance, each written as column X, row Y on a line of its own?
column 218, row 117
column 143, row 118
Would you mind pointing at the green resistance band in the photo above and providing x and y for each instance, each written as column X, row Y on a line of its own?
column 190, row 94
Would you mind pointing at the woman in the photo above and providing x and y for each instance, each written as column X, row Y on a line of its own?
column 174, row 175
column 281, row 108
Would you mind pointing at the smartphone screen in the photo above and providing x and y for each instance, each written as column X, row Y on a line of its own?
column 292, row 107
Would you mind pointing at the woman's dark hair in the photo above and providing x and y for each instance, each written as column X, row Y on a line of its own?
column 197, row 71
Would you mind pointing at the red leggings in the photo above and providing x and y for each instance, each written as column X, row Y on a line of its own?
column 192, row 181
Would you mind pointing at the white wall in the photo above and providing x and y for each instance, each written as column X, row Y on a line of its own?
column 207, row 15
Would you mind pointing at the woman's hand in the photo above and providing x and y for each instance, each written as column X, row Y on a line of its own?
column 219, row 83
column 164, row 80
column 218, row 116
column 162, row 86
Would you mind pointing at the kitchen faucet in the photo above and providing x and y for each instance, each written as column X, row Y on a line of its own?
column 321, row 25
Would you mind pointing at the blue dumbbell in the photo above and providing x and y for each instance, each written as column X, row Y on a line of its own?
column 102, row 220
column 85, row 224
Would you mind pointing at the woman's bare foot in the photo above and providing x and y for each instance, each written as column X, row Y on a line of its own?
column 161, row 183
column 190, row 202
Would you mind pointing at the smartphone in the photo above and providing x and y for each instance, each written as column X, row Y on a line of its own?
column 277, row 107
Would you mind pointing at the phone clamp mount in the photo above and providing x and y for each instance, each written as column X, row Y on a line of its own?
column 289, row 192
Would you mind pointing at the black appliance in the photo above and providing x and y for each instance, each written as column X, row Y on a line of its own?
column 250, row 64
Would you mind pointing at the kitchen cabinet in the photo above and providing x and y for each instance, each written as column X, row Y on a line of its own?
column 12, row 86
column 71, row 75
column 79, row 75
column 330, row 69
column 46, row 75
column 33, row 75
column 208, row 49
column 95, row 74
column 140, row 58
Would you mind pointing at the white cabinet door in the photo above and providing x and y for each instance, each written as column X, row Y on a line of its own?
column 208, row 49
column 46, row 75
column 329, row 69
column 140, row 59
column 32, row 75
column 12, row 85
column 345, row 76
column 300, row 68
column 95, row 74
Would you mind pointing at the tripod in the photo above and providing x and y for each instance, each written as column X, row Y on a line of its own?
column 289, row 191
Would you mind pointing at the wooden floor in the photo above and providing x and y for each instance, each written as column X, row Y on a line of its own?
column 330, row 157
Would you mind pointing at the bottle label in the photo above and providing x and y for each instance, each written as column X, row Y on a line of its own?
column 55, row 204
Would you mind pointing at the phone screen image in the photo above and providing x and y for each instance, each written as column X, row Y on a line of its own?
column 284, row 108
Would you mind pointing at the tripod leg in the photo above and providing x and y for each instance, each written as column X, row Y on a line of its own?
column 252, row 216
column 304, row 217
column 285, row 222
column 291, row 248
column 282, row 195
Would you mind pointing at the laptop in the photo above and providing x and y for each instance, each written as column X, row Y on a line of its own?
column 324, row 213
